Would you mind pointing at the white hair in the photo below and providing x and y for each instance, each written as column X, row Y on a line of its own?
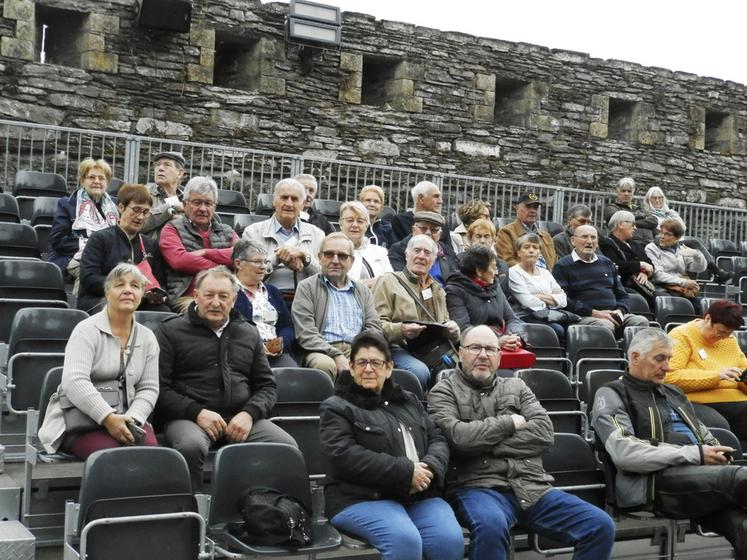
column 655, row 191
column 626, row 181
column 644, row 340
column 619, row 217
column 204, row 186
column 289, row 183
column 421, row 188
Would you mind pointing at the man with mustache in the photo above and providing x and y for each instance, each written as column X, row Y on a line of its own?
column 497, row 432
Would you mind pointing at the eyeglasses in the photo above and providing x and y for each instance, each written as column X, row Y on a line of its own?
column 204, row 203
column 99, row 178
column 376, row 364
column 665, row 233
column 351, row 221
column 428, row 229
column 475, row 350
column 259, row 262
column 136, row 211
column 342, row 257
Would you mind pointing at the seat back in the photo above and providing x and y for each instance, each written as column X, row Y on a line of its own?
column 9, row 308
column 28, row 279
column 300, row 390
column 673, row 309
column 152, row 319
column 741, row 337
column 555, row 393
column 330, row 209
column 728, row 438
column 553, row 228
column 52, row 380
column 41, row 329
column 18, row 240
column 37, row 183
column 9, row 209
column 583, row 338
column 500, row 222
column 628, row 335
column 387, row 213
column 26, row 373
column 409, row 382
column 242, row 221
column 265, row 205
column 245, row 465
column 43, row 210
column 722, row 248
column 639, row 306
column 231, row 202
column 541, row 337
column 305, row 430
column 571, row 461
column 114, row 185
column 42, row 239
column 596, row 379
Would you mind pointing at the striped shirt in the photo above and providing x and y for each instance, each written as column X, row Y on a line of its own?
column 344, row 318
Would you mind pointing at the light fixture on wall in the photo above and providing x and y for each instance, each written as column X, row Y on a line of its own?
column 313, row 27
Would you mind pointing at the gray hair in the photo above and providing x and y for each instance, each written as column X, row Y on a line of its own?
column 289, row 183
column 121, row 270
column 204, row 186
column 421, row 188
column 245, row 248
column 420, row 237
column 578, row 210
column 219, row 271
column 372, row 188
column 356, row 207
column 526, row 238
column 626, row 181
column 654, row 191
column 644, row 340
column 301, row 177
column 619, row 217
column 334, row 236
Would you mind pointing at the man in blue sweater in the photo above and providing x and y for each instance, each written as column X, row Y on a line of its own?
column 592, row 285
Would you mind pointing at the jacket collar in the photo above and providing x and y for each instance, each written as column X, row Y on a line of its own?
column 101, row 321
column 194, row 318
column 348, row 389
column 475, row 384
column 641, row 385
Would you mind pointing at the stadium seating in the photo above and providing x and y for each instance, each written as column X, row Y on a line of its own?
column 408, row 381
column 264, row 206
column 18, row 241
column 555, row 393
column 9, row 209
column 231, row 202
column 328, row 208
column 43, row 210
column 553, row 228
column 300, row 390
column 152, row 319
column 543, row 341
column 113, row 187
column 241, row 221
column 673, row 310
column 591, row 347
column 30, row 184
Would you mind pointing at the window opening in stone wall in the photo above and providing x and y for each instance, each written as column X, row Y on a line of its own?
column 378, row 80
column 238, row 62
column 621, row 120
column 63, row 35
column 720, row 135
column 515, row 102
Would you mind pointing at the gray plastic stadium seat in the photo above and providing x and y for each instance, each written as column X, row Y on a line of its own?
column 9, row 209
column 18, row 240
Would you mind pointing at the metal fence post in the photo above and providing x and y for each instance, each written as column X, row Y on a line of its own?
column 132, row 160
column 296, row 166
column 558, row 210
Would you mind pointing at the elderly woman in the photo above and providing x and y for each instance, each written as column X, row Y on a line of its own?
column 473, row 297
column 536, row 291
column 386, row 462
column 293, row 245
column 407, row 299
column 380, row 231
column 672, row 260
column 263, row 303
column 707, row 363
column 656, row 204
column 371, row 260
column 645, row 223
column 483, row 232
column 108, row 346
column 633, row 265
column 89, row 208
column 468, row 213
column 123, row 243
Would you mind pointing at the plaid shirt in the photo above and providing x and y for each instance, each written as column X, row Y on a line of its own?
column 344, row 316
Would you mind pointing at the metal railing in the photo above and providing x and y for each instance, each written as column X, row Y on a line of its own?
column 59, row 149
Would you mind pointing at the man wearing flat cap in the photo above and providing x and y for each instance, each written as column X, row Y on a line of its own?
column 430, row 224
column 527, row 221
column 168, row 170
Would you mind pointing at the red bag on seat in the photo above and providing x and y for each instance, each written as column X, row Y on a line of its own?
column 517, row 359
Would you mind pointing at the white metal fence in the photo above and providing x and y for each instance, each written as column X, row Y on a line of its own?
column 27, row 146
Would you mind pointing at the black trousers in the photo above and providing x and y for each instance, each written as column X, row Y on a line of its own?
column 714, row 495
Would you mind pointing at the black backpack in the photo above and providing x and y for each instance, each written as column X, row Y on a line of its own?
column 272, row 518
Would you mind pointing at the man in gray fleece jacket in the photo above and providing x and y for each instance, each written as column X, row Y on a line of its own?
column 329, row 309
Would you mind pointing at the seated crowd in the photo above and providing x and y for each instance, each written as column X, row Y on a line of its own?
column 400, row 292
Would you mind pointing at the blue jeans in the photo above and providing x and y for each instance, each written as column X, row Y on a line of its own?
column 490, row 515
column 426, row 528
column 404, row 360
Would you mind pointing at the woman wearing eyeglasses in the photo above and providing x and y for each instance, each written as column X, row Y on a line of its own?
column 371, row 260
column 386, row 462
column 123, row 243
column 263, row 303
column 89, row 208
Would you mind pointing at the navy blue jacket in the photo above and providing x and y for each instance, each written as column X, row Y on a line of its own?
column 591, row 286
column 284, row 326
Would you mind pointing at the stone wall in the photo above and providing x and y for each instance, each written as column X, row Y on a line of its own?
column 395, row 94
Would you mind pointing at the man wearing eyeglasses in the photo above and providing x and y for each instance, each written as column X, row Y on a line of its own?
column 329, row 309
column 497, row 432
column 431, row 224
column 168, row 171
column 194, row 241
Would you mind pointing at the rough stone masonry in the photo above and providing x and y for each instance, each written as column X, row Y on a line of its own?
column 395, row 93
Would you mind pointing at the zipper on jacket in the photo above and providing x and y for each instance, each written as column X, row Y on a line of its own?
column 686, row 418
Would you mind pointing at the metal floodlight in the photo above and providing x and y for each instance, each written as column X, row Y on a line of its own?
column 314, row 24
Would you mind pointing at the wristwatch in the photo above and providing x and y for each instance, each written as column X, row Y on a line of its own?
column 306, row 259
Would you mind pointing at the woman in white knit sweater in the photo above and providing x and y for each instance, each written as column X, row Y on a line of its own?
column 107, row 346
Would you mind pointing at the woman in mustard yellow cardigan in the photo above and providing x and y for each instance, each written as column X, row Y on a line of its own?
column 707, row 364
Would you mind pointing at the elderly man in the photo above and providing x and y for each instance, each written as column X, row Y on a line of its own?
column 593, row 288
column 291, row 243
column 578, row 215
column 216, row 386
column 168, row 170
column 431, row 224
column 329, row 309
column 645, row 223
column 527, row 217
column 196, row 240
column 497, row 432
column 407, row 299
column 426, row 197
column 309, row 214
column 672, row 465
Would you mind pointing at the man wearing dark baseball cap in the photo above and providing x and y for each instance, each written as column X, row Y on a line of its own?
column 430, row 224
column 168, row 170
column 527, row 221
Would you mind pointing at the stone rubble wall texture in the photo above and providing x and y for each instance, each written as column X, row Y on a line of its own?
column 439, row 103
